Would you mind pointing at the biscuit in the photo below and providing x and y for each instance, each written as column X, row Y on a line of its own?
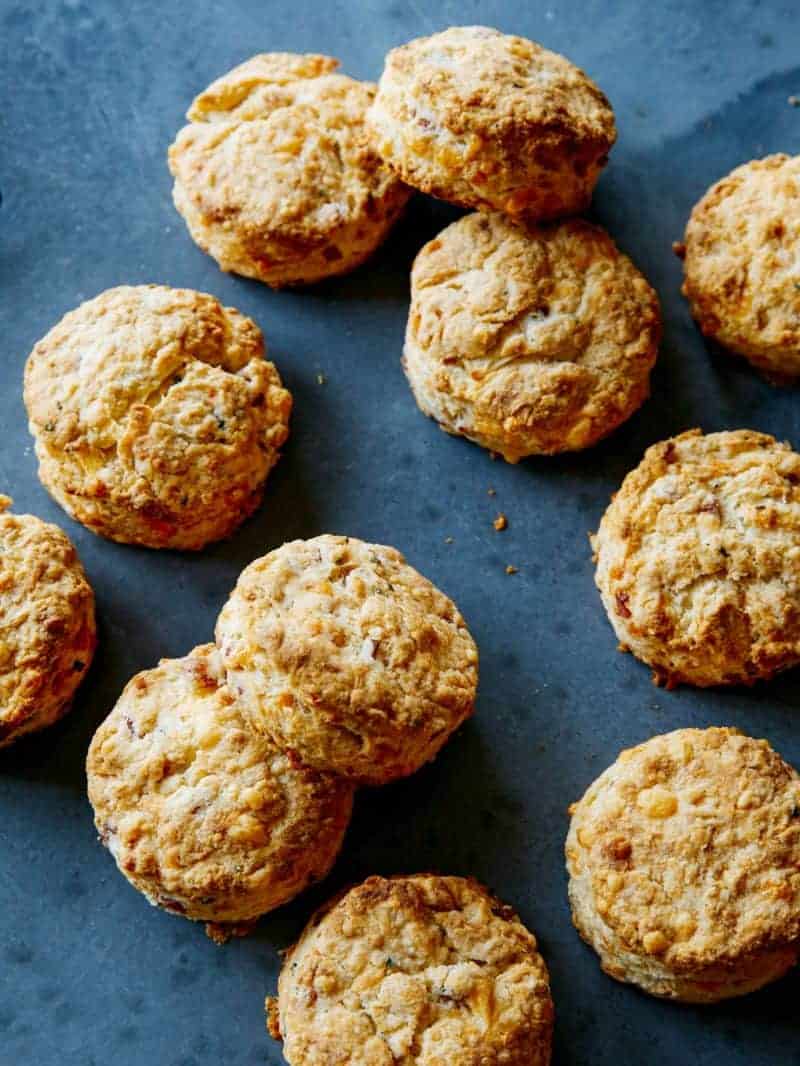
column 202, row 816
column 529, row 340
column 275, row 176
column 698, row 558
column 47, row 626
column 156, row 416
column 684, row 860
column 344, row 654
column 491, row 121
column 424, row 969
column 742, row 264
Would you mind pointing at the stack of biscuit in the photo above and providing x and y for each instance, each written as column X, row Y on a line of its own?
column 529, row 332
column 222, row 783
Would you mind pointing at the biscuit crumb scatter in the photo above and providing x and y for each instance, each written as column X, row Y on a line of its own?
column 512, row 569
column 321, row 379
column 448, row 540
column 679, row 248
column 500, row 523
column 491, row 492
column 794, row 101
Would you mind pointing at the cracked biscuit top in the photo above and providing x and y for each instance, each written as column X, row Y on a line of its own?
column 528, row 340
column 342, row 652
column 414, row 971
column 492, row 121
column 742, row 263
column 698, row 558
column 156, row 416
column 689, row 849
column 275, row 175
column 202, row 816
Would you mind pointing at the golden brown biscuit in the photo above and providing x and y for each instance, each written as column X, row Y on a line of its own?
column 698, row 558
column 425, row 969
column 343, row 653
column 47, row 627
column 486, row 120
column 529, row 340
column 684, row 863
column 202, row 816
column 275, row 176
column 156, row 416
column 742, row 263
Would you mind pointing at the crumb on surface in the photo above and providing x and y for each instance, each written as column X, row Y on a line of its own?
column 321, row 379
column 794, row 101
column 512, row 569
column 500, row 523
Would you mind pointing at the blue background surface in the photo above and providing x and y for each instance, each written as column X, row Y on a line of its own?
column 92, row 94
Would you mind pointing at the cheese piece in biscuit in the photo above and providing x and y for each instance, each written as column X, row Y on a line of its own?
column 684, row 864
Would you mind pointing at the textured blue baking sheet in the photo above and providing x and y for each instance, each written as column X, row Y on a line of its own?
column 92, row 94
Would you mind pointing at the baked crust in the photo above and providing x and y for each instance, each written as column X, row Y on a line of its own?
column 155, row 415
column 742, row 249
column 275, row 176
column 492, row 121
column 344, row 654
column 424, row 969
column 684, row 858
column 698, row 558
column 205, row 818
column 529, row 340
column 47, row 623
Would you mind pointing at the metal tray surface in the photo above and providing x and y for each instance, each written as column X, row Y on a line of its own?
column 93, row 93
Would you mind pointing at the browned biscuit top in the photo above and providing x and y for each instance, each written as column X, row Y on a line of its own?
column 698, row 558
column 47, row 626
column 691, row 845
column 426, row 970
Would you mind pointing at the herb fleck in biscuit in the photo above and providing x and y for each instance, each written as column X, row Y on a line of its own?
column 742, row 263
column 343, row 653
column 491, row 121
column 529, row 340
column 47, row 627
column 425, row 969
column 275, row 175
column 202, row 816
column 698, row 558
column 684, row 861
column 156, row 416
